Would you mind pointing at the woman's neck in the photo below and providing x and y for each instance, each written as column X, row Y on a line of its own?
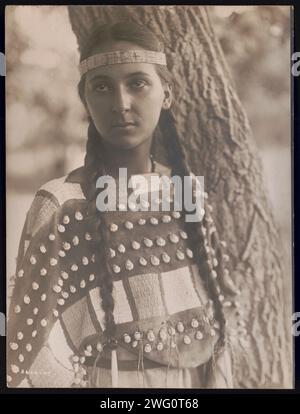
column 136, row 160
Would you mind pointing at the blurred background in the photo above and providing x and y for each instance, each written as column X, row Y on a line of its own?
column 46, row 123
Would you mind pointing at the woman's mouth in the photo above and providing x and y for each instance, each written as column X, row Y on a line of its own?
column 124, row 125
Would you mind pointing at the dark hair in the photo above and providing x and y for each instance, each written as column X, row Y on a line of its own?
column 126, row 31
column 142, row 36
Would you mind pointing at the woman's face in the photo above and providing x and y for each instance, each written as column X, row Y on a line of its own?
column 125, row 100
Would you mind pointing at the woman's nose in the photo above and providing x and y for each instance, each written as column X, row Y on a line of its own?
column 121, row 100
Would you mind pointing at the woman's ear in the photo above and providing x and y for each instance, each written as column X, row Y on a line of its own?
column 168, row 96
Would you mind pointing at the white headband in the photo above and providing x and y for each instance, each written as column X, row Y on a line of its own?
column 117, row 57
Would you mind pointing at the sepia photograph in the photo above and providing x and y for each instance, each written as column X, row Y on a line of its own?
column 149, row 197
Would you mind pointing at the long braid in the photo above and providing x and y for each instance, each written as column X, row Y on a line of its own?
column 94, row 168
column 180, row 167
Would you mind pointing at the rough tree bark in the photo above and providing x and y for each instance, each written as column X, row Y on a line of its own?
column 219, row 145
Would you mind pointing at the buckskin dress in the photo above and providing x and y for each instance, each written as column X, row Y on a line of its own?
column 166, row 324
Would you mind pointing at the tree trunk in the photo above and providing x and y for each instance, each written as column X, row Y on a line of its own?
column 219, row 146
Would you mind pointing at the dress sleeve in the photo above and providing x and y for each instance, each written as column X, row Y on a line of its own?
column 33, row 322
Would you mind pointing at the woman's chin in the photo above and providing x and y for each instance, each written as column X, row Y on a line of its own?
column 126, row 141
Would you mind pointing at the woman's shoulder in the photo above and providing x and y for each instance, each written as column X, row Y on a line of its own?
column 55, row 197
column 64, row 188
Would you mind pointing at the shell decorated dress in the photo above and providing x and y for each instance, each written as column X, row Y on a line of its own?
column 165, row 319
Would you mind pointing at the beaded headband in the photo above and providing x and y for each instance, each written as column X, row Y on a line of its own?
column 117, row 57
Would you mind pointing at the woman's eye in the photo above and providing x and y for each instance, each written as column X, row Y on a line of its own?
column 101, row 87
column 139, row 84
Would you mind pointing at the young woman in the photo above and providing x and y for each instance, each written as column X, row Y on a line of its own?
column 125, row 298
